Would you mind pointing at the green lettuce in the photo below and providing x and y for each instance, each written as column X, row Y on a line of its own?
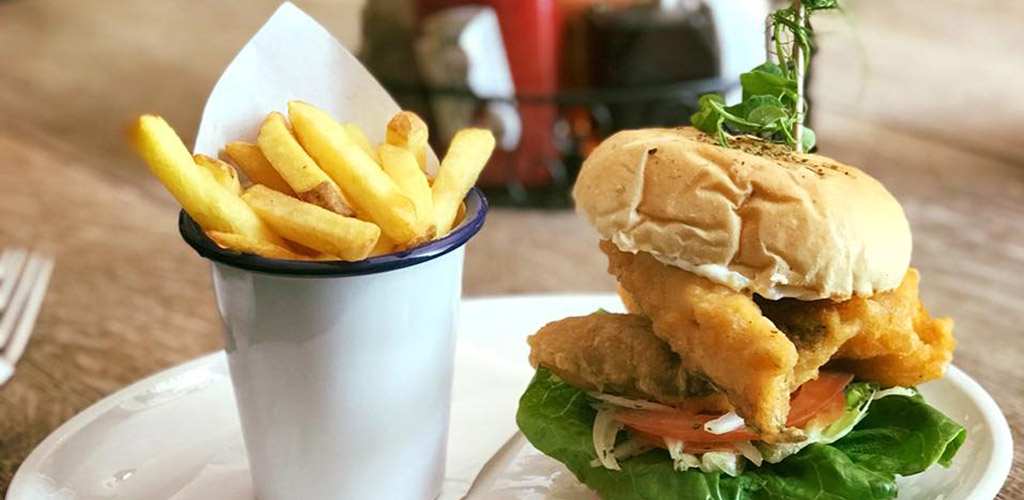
column 899, row 435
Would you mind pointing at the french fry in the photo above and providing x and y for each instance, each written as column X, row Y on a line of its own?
column 296, row 167
column 407, row 130
column 364, row 143
column 224, row 174
column 384, row 246
column 400, row 164
column 460, row 215
column 467, row 155
column 250, row 159
column 374, row 194
column 313, row 226
column 322, row 257
column 246, row 244
column 210, row 204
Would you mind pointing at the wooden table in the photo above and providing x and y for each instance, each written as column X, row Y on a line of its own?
column 935, row 116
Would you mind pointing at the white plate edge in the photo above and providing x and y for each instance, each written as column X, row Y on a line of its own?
column 1001, row 460
column 18, row 487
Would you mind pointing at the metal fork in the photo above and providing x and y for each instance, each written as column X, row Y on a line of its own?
column 24, row 276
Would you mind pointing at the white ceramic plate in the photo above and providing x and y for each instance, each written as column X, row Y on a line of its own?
column 176, row 436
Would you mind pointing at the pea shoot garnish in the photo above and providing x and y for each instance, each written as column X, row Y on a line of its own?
column 774, row 104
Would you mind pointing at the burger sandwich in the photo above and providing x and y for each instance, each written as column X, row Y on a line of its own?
column 773, row 339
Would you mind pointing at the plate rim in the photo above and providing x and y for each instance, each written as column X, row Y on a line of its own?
column 990, row 483
column 1001, row 459
column 19, row 483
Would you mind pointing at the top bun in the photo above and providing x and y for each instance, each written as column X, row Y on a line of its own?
column 757, row 217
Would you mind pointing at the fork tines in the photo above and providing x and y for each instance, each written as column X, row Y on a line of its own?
column 24, row 277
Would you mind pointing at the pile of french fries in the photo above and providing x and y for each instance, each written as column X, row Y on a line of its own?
column 318, row 189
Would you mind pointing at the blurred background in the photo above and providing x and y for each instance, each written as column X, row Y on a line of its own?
column 550, row 77
column 922, row 94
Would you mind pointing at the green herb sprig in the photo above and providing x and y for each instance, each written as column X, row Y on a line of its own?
column 773, row 106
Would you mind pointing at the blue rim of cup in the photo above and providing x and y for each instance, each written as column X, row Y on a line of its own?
column 476, row 212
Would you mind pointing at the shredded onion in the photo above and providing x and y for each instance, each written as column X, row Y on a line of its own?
column 633, row 404
column 749, row 451
column 726, row 423
column 631, row 448
column 681, row 461
column 724, row 461
column 893, row 391
column 675, row 448
column 605, row 430
column 627, row 449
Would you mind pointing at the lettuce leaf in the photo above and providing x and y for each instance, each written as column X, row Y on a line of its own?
column 903, row 435
column 899, row 435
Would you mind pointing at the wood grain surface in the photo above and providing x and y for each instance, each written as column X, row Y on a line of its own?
column 933, row 114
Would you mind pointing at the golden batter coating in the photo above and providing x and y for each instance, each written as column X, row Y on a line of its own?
column 717, row 331
column 619, row 354
column 757, row 351
column 891, row 338
column 897, row 342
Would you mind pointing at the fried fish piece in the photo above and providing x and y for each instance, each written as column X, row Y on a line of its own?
column 719, row 332
column 817, row 332
column 619, row 354
column 898, row 342
column 815, row 343
column 887, row 338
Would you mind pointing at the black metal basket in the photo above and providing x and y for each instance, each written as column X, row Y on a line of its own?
column 582, row 119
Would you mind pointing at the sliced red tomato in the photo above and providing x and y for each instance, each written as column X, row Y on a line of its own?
column 830, row 413
column 810, row 399
column 684, row 425
column 688, row 447
column 813, row 396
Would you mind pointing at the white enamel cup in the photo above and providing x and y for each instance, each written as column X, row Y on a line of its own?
column 343, row 371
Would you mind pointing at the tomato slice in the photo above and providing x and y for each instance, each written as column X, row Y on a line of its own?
column 830, row 413
column 810, row 399
column 686, row 426
column 691, row 447
column 813, row 396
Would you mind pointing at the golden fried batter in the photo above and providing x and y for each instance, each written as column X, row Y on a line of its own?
column 619, row 354
column 892, row 339
column 815, row 343
column 717, row 331
column 816, row 339
column 757, row 350
column 898, row 343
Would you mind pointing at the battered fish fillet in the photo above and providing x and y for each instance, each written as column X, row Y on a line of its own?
column 816, row 336
column 892, row 339
column 619, row 354
column 887, row 338
column 898, row 342
column 719, row 332
column 815, row 344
